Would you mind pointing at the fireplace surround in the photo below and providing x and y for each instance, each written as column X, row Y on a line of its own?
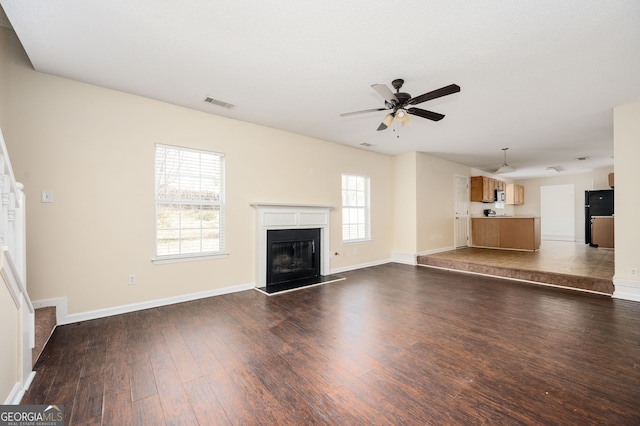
column 281, row 217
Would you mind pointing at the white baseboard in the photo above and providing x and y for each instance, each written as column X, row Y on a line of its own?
column 438, row 250
column 107, row 312
column 626, row 289
column 360, row 266
column 412, row 258
column 554, row 237
column 404, row 258
column 15, row 395
column 60, row 303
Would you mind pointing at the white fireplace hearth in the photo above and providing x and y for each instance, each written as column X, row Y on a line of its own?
column 290, row 216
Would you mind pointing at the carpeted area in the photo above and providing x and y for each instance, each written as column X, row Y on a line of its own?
column 600, row 285
column 45, row 323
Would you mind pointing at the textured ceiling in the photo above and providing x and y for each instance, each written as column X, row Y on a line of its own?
column 539, row 77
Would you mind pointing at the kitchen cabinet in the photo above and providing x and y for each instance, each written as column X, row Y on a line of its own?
column 611, row 178
column 602, row 231
column 483, row 189
column 514, row 194
column 514, row 233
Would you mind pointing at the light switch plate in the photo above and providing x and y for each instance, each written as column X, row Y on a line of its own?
column 46, row 196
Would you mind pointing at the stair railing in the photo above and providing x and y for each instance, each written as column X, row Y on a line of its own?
column 13, row 263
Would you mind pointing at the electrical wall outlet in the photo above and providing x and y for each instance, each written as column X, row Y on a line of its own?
column 633, row 272
column 132, row 279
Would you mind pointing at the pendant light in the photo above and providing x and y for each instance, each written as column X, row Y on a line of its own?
column 505, row 168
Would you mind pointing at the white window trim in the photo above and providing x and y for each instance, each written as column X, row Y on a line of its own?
column 367, row 210
column 189, row 257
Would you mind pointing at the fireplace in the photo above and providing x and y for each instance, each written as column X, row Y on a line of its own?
column 292, row 254
column 292, row 246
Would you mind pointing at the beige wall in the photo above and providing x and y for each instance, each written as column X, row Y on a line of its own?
column 404, row 203
column 626, row 147
column 94, row 148
column 5, row 65
column 597, row 179
column 424, row 196
column 435, row 179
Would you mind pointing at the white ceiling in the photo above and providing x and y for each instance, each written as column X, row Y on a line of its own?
column 539, row 77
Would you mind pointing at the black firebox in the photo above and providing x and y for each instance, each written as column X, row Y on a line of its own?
column 292, row 254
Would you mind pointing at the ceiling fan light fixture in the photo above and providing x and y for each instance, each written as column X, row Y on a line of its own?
column 386, row 122
column 400, row 101
column 402, row 116
column 505, row 168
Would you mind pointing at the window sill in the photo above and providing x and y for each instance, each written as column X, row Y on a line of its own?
column 365, row 240
column 188, row 258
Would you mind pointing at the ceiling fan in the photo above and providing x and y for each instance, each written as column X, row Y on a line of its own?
column 400, row 103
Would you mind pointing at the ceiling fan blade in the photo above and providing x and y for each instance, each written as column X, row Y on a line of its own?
column 347, row 114
column 443, row 91
column 429, row 115
column 385, row 92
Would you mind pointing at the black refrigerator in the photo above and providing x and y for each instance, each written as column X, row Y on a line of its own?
column 596, row 203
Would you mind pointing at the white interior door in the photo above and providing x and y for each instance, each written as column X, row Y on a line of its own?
column 462, row 211
column 557, row 212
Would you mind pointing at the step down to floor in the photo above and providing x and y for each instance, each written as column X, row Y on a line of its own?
column 591, row 284
column 45, row 323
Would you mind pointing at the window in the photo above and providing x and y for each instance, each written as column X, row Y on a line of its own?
column 189, row 201
column 355, row 208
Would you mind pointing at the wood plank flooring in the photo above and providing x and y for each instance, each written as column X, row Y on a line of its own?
column 392, row 344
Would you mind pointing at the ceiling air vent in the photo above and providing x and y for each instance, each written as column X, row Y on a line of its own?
column 582, row 158
column 367, row 144
column 220, row 103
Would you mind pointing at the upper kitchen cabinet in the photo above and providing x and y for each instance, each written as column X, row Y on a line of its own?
column 483, row 189
column 514, row 194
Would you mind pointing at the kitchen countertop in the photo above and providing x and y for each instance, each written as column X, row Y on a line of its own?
column 505, row 217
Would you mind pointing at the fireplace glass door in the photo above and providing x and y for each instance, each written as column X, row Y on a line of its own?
column 292, row 254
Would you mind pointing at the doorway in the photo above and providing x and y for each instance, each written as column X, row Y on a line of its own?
column 558, row 212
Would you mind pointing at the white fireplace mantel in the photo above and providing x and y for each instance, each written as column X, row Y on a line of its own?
column 290, row 216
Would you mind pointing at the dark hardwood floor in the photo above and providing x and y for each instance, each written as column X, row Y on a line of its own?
column 392, row 344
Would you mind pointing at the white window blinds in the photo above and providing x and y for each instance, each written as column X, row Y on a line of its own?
column 189, row 202
column 355, row 207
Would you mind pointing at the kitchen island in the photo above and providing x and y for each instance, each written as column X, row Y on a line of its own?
column 506, row 232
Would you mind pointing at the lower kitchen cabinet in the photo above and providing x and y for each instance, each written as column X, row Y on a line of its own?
column 602, row 231
column 514, row 233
